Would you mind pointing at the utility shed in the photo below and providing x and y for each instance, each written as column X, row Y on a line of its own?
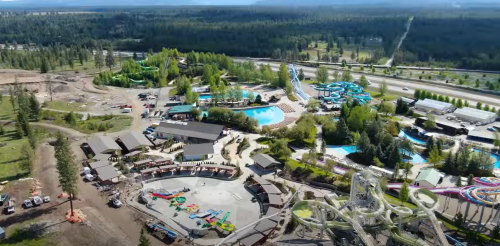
column 434, row 106
column 475, row 115
column 428, row 178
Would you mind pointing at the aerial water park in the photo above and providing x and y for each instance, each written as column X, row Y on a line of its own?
column 338, row 92
column 137, row 78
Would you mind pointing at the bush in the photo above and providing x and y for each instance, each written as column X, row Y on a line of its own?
column 292, row 97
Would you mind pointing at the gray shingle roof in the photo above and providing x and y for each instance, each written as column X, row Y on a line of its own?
column 143, row 162
column 106, row 173
column 98, row 164
column 191, row 129
column 134, row 140
column 264, row 160
column 103, row 144
column 198, row 149
column 133, row 153
column 261, row 181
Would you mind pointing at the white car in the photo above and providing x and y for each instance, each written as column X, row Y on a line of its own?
column 27, row 204
column 37, row 201
column 117, row 203
column 405, row 88
column 46, row 199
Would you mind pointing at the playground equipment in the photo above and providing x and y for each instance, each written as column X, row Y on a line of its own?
column 221, row 224
column 177, row 201
column 202, row 215
column 366, row 210
column 170, row 234
column 167, row 196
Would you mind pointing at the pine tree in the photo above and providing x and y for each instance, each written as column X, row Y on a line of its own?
column 459, row 182
column 110, row 59
column 143, row 240
column 66, row 167
column 19, row 131
column 470, row 179
column 44, row 66
column 28, row 157
column 404, row 193
column 98, row 58
column 34, row 107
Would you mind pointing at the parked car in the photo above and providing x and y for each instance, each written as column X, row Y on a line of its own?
column 4, row 198
column 116, row 202
column 405, row 88
column 37, row 201
column 11, row 207
column 27, row 204
column 46, row 199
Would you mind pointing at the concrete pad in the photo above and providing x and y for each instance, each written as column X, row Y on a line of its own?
column 229, row 196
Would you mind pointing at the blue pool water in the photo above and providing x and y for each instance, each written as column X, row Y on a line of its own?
column 349, row 149
column 344, row 150
column 209, row 96
column 495, row 156
column 416, row 158
column 266, row 116
column 418, row 141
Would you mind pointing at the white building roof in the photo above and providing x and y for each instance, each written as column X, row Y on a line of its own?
column 474, row 113
column 433, row 104
column 482, row 134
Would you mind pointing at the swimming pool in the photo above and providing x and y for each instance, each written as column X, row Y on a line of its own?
column 265, row 116
column 416, row 158
column 495, row 156
column 349, row 149
column 344, row 150
column 415, row 140
column 209, row 96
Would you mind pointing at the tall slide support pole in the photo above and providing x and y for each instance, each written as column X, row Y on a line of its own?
column 467, row 211
column 480, row 219
column 496, row 220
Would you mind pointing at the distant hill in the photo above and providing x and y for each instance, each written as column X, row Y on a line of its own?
column 378, row 3
column 71, row 3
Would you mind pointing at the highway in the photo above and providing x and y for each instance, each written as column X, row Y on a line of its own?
column 397, row 85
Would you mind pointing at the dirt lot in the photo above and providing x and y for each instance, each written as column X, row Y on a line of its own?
column 107, row 225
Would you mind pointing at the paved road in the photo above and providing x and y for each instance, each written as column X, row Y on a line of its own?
column 397, row 85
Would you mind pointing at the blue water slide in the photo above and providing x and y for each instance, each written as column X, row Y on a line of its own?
column 170, row 233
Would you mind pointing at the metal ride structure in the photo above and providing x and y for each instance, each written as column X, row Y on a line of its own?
column 366, row 212
column 297, row 86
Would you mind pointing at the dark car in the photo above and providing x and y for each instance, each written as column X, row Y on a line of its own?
column 4, row 198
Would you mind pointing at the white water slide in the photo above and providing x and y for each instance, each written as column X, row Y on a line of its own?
column 297, row 86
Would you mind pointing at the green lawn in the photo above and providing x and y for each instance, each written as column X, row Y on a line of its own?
column 295, row 164
column 10, row 154
column 18, row 237
column 6, row 110
column 387, row 96
column 108, row 123
column 68, row 106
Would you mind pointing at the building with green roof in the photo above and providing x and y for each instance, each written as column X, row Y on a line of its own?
column 428, row 178
column 180, row 109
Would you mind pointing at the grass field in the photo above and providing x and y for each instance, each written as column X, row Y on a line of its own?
column 16, row 236
column 6, row 109
column 10, row 154
column 107, row 123
column 387, row 96
column 364, row 52
column 68, row 106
